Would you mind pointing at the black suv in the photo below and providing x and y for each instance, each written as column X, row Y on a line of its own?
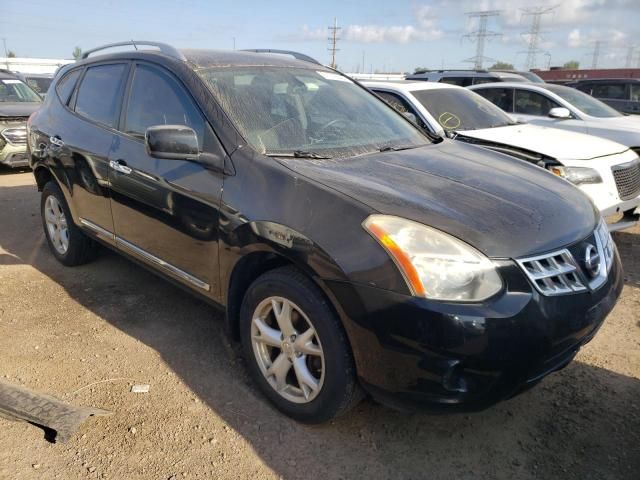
column 623, row 94
column 351, row 251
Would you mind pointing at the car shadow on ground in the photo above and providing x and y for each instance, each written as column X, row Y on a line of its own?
column 581, row 423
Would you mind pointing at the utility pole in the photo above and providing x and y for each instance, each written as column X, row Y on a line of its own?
column 481, row 35
column 6, row 54
column 234, row 43
column 333, row 38
column 596, row 53
column 536, row 14
column 363, row 64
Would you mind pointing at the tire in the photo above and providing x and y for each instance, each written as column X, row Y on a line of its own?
column 337, row 386
column 79, row 249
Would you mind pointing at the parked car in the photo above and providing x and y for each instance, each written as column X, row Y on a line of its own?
column 563, row 107
column 39, row 82
column 622, row 94
column 17, row 102
column 350, row 249
column 527, row 75
column 464, row 78
column 598, row 166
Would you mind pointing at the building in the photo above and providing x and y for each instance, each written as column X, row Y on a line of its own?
column 33, row 65
column 557, row 74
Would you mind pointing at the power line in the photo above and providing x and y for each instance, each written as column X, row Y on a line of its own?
column 333, row 38
column 481, row 35
column 536, row 14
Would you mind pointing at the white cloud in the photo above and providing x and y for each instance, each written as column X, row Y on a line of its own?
column 390, row 34
column 574, row 39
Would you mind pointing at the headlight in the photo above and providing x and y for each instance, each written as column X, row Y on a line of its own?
column 16, row 135
column 434, row 264
column 577, row 175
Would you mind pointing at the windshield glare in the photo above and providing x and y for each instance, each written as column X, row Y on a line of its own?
column 582, row 101
column 287, row 110
column 13, row 90
column 459, row 109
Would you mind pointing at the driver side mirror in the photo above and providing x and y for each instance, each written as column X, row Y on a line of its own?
column 172, row 142
column 560, row 113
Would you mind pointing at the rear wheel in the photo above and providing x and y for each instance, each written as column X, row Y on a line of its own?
column 66, row 241
column 296, row 348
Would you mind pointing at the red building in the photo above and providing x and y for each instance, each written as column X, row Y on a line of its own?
column 559, row 74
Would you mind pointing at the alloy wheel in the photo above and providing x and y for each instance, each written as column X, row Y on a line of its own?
column 287, row 349
column 57, row 227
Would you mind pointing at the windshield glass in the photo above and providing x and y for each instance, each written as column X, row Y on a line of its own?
column 460, row 109
column 583, row 102
column 13, row 90
column 297, row 111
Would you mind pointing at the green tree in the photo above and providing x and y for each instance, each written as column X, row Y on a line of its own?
column 501, row 66
column 77, row 53
column 571, row 65
column 420, row 70
column 11, row 54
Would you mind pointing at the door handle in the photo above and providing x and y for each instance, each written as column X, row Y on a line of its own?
column 56, row 140
column 120, row 166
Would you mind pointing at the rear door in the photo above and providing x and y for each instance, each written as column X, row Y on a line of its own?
column 166, row 211
column 79, row 143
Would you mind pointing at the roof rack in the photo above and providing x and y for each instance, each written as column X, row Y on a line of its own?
column 296, row 55
column 163, row 47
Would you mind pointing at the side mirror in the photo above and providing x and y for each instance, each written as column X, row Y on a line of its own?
column 173, row 142
column 410, row 116
column 560, row 113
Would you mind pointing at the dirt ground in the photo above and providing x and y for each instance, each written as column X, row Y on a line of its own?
column 111, row 324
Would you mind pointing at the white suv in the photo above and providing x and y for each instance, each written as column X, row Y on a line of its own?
column 606, row 171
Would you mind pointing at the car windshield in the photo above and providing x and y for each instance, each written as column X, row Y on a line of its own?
column 308, row 113
column 583, row 102
column 13, row 90
column 460, row 109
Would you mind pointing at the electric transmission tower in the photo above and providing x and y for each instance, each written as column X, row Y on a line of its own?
column 536, row 14
column 596, row 53
column 481, row 35
column 333, row 38
column 631, row 52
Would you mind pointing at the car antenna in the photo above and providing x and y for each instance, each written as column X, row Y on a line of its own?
column 134, row 44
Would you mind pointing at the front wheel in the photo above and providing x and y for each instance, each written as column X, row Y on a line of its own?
column 66, row 241
column 296, row 348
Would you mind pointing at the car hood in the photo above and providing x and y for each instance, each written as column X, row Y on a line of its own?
column 552, row 142
column 504, row 207
column 18, row 109
column 627, row 122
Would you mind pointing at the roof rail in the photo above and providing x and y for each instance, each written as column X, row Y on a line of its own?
column 296, row 55
column 163, row 47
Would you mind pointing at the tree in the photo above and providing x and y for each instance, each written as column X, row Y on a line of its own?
column 77, row 53
column 11, row 54
column 501, row 66
column 571, row 65
column 420, row 70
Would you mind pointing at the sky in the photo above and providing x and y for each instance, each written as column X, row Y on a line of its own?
column 397, row 35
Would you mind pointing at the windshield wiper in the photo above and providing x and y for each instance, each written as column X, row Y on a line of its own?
column 397, row 148
column 299, row 154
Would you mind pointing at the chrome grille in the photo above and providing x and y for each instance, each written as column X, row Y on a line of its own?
column 554, row 273
column 627, row 179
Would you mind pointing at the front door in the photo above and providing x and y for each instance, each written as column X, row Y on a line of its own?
column 165, row 211
column 533, row 107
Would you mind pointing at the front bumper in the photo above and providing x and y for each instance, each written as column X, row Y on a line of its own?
column 14, row 155
column 415, row 353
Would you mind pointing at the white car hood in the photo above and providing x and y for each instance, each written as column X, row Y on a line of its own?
column 552, row 142
column 630, row 122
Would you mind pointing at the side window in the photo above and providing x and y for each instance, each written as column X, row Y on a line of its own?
column 460, row 81
column 400, row 104
column 156, row 98
column 100, row 92
column 500, row 97
column 66, row 85
column 635, row 92
column 613, row 91
column 478, row 80
column 533, row 103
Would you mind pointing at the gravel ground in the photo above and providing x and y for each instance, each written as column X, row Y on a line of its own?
column 87, row 334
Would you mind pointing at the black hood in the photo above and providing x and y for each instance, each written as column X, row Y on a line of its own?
column 504, row 207
column 18, row 109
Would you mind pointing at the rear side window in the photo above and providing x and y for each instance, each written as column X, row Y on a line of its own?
column 500, row 97
column 460, row 81
column 156, row 98
column 533, row 103
column 99, row 95
column 635, row 92
column 66, row 85
column 613, row 91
